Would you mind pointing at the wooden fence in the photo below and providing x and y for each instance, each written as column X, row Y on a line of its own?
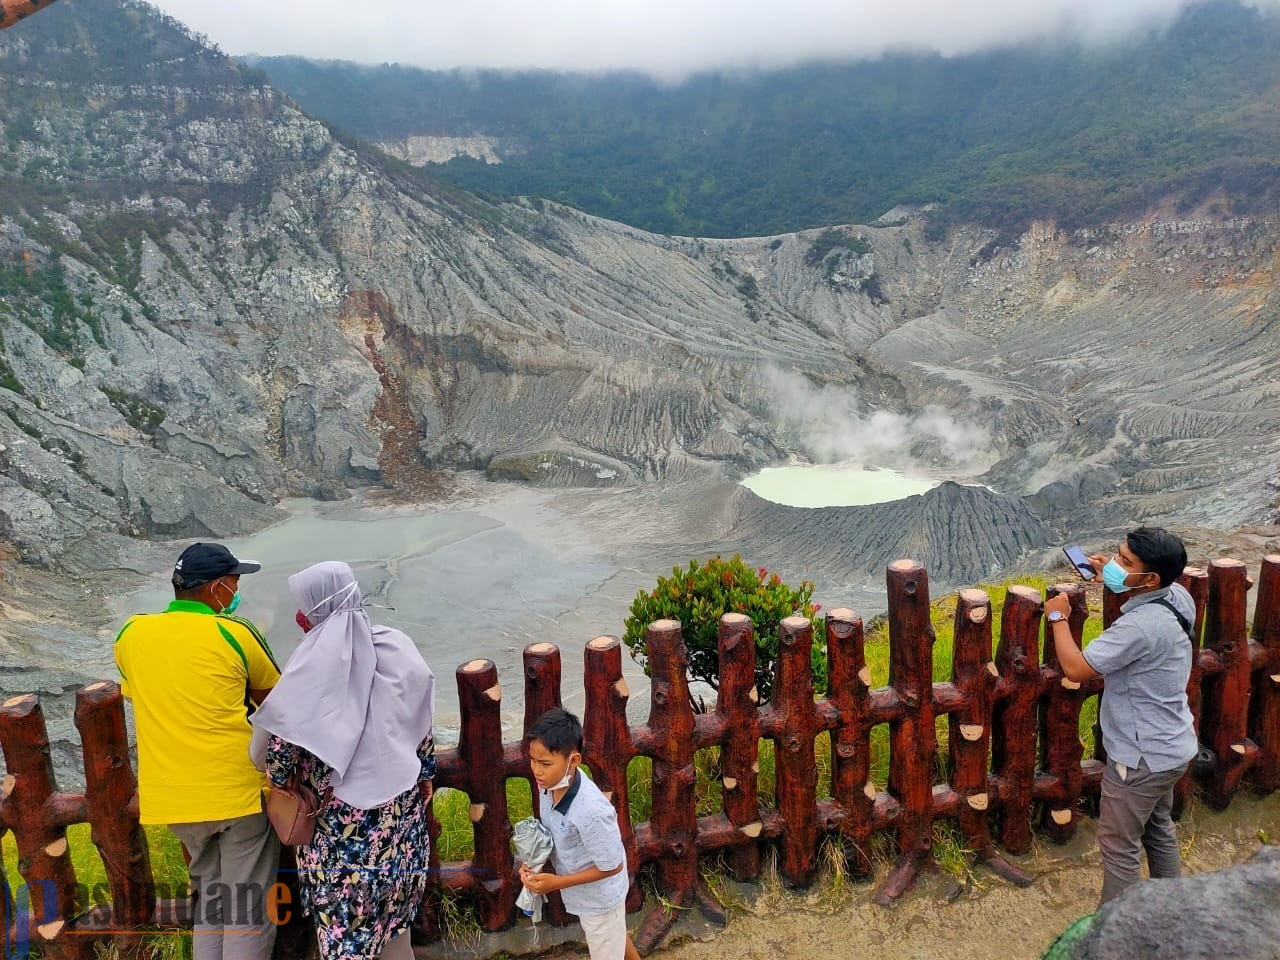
column 1014, row 754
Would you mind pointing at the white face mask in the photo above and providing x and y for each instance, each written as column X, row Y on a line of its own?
column 565, row 780
column 343, row 592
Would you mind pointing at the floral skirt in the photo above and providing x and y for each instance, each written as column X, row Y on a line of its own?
column 363, row 876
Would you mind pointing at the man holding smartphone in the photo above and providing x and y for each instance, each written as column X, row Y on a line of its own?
column 1144, row 659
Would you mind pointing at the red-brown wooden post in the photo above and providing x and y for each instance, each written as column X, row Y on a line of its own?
column 484, row 778
column 609, row 745
column 30, row 793
column 1111, row 604
column 849, row 692
column 912, row 740
column 1196, row 582
column 674, row 818
column 1013, row 726
column 1264, row 720
column 1060, row 747
column 969, row 730
column 111, row 799
column 1225, row 711
column 792, row 721
column 446, row 877
column 737, row 707
column 11, row 11
column 542, row 672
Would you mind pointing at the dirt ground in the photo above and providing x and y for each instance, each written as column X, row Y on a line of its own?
column 990, row 918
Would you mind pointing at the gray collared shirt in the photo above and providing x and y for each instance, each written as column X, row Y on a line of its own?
column 1145, row 661
column 584, row 829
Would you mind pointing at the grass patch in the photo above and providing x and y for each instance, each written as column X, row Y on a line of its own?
column 452, row 808
column 167, row 864
column 460, row 922
column 953, row 853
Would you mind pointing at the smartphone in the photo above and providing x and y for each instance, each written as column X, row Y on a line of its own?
column 1080, row 562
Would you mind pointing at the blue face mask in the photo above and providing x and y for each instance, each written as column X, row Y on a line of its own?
column 1114, row 576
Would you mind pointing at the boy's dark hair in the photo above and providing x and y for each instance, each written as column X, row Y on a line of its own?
column 558, row 730
column 1160, row 552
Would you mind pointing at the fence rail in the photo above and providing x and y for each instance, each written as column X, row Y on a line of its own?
column 1013, row 753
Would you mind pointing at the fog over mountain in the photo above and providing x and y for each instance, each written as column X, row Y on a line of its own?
column 1072, row 133
column 664, row 38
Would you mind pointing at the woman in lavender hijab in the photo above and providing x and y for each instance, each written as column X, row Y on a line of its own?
column 352, row 715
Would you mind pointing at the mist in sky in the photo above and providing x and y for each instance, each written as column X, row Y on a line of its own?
column 666, row 38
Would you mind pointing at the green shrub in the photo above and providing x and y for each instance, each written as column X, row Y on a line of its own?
column 825, row 242
column 699, row 595
column 830, row 241
column 29, row 429
column 140, row 413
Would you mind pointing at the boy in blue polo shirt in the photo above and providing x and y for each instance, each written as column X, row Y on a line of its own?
column 588, row 856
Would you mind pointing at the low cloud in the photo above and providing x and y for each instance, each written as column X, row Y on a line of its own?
column 666, row 38
column 831, row 426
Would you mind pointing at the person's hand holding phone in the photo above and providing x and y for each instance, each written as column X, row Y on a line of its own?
column 1088, row 567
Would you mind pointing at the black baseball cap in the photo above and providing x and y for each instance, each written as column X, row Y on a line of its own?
column 203, row 562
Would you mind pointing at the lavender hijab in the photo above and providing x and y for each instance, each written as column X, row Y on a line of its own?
column 359, row 697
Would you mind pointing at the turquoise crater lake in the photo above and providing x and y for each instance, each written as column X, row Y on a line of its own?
column 834, row 485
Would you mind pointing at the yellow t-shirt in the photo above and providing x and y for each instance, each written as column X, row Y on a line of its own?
column 188, row 672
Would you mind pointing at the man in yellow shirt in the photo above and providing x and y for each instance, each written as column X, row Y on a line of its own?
column 195, row 673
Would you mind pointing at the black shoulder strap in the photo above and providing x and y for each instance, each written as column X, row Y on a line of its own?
column 1182, row 621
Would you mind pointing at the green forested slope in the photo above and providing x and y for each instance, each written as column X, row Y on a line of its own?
column 998, row 137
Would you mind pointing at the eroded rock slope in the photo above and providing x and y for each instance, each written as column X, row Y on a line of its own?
column 210, row 301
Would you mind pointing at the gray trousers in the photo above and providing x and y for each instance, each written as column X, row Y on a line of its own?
column 233, row 866
column 1137, row 814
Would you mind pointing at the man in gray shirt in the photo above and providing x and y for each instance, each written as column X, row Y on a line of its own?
column 1144, row 659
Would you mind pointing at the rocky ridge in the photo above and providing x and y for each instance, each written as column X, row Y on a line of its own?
column 422, row 150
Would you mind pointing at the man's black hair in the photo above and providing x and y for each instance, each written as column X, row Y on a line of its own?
column 558, row 730
column 1160, row 552
column 181, row 591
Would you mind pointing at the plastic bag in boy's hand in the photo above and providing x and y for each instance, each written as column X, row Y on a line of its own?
column 532, row 843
